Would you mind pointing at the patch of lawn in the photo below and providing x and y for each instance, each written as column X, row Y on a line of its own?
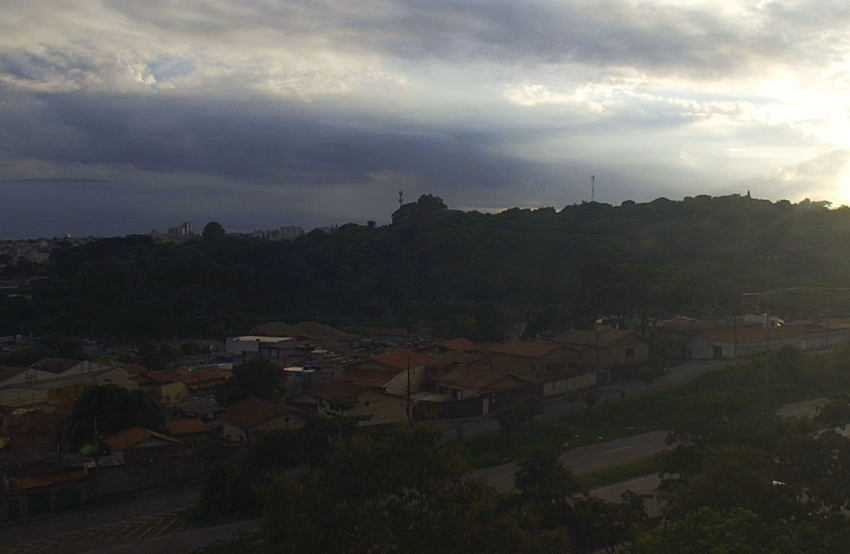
column 621, row 419
column 639, row 468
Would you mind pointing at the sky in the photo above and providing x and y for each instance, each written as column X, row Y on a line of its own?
column 119, row 117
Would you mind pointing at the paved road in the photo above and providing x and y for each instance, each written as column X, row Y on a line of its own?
column 803, row 408
column 165, row 524
column 586, row 459
column 156, row 502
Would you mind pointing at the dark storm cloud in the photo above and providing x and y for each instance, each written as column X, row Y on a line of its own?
column 703, row 39
column 297, row 111
column 250, row 140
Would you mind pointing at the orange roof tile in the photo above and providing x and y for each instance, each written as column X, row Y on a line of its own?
column 254, row 411
column 605, row 337
column 454, row 358
column 128, row 438
column 372, row 378
column 163, row 377
column 482, row 379
column 337, row 390
column 460, row 344
column 187, row 427
column 527, row 349
column 133, row 369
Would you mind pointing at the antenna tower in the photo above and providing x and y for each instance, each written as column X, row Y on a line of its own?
column 593, row 188
column 400, row 198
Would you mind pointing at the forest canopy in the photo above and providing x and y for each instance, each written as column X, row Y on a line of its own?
column 460, row 273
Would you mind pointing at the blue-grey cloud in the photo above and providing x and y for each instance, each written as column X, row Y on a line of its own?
column 318, row 112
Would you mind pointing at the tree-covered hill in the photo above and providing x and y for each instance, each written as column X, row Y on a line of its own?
column 460, row 273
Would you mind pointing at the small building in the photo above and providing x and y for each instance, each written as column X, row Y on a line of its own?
column 138, row 445
column 392, row 335
column 38, row 482
column 194, row 433
column 607, row 347
column 374, row 406
column 537, row 361
column 248, row 418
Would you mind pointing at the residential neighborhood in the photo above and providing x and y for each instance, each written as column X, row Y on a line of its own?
column 380, row 379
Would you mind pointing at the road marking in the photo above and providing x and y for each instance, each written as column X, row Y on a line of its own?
column 615, row 449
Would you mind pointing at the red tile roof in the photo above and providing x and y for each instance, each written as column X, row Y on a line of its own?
column 605, row 337
column 337, row 390
column 454, row 358
column 526, row 349
column 128, row 438
column 134, row 369
column 187, row 427
column 461, row 345
column 371, row 378
column 255, row 411
column 482, row 379
column 163, row 377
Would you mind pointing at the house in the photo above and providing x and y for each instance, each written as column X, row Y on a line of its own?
column 35, row 430
column 559, row 368
column 202, row 381
column 192, row 432
column 374, row 406
column 60, row 367
column 167, row 387
column 397, row 373
column 19, row 396
column 737, row 342
column 270, row 348
column 535, row 360
column 37, row 482
column 249, row 417
column 311, row 330
column 470, row 382
column 392, row 336
column 61, row 379
column 607, row 347
column 452, row 359
column 11, row 376
column 205, row 409
column 674, row 336
column 139, row 445
column 452, row 345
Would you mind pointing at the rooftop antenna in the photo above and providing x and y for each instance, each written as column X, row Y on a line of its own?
column 400, row 198
column 593, row 188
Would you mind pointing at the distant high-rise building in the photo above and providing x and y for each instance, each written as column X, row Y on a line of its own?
column 182, row 230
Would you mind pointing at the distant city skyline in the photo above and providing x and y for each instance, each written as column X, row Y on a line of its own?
column 118, row 118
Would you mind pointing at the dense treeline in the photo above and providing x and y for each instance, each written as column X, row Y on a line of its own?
column 462, row 273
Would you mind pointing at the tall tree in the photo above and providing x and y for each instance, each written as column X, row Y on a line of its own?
column 213, row 230
column 260, row 378
column 110, row 409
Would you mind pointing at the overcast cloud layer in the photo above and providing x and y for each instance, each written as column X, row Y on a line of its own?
column 120, row 117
